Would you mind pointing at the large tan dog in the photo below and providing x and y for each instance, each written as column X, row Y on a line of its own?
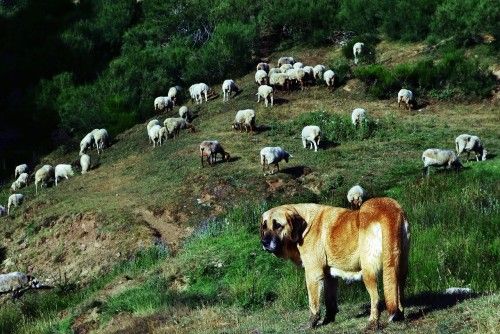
column 334, row 242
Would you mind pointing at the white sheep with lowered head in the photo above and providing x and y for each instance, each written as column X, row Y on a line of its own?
column 163, row 103
column 102, row 139
column 309, row 71
column 285, row 60
column 273, row 155
column 14, row 201
column 23, row 168
column 297, row 76
column 209, row 149
column 228, row 87
column 280, row 80
column 63, row 171
column 329, row 77
column 156, row 134
column 470, row 143
column 85, row 163
column 318, row 71
column 43, row 175
column 311, row 134
column 274, row 70
column 405, row 96
column 245, row 119
column 20, row 182
column 185, row 113
column 17, row 283
column 261, row 77
column 435, row 157
column 358, row 116
column 152, row 123
column 298, row 65
column 174, row 125
column 197, row 91
column 87, row 142
column 357, row 49
column 173, row 92
column 263, row 67
column 356, row 195
column 286, row 67
column 266, row 92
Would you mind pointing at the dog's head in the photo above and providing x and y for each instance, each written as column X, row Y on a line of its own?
column 281, row 227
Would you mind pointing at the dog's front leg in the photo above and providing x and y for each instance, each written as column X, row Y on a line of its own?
column 314, row 281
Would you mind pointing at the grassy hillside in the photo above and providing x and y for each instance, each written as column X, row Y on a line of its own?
column 150, row 240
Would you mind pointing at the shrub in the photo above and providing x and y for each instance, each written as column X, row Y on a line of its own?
column 342, row 70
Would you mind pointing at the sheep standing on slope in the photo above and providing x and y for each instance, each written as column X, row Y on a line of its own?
column 469, row 143
column 279, row 80
column 87, row 142
column 20, row 169
column 318, row 71
column 20, row 182
column 261, row 77
column 173, row 92
column 228, row 86
column 297, row 76
column 210, row 149
column 357, row 49
column 197, row 90
column 286, row 67
column 358, row 116
column 85, row 163
column 63, row 171
column 273, row 155
column 285, row 60
column 175, row 124
column 298, row 65
column 163, row 103
column 405, row 96
column 244, row 119
column 43, row 176
column 101, row 137
column 329, row 77
column 309, row 71
column 266, row 92
column 17, row 283
column 356, row 195
column 311, row 134
column 185, row 113
column 14, row 201
column 156, row 134
column 440, row 158
column 263, row 67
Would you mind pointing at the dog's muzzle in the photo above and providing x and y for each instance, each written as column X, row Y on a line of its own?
column 271, row 244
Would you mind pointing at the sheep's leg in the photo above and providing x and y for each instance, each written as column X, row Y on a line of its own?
column 304, row 143
column 315, row 146
column 56, row 181
column 272, row 100
column 258, row 98
column 206, row 97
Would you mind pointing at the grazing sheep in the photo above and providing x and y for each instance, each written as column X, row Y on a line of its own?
column 273, row 155
column 210, row 149
column 156, row 133
column 163, row 103
column 244, row 119
column 152, row 123
column 228, row 86
column 274, row 70
column 311, row 134
column 14, row 201
column 263, row 67
column 85, row 163
column 3, row 212
column 265, row 92
column 17, row 283
column 20, row 182
column 280, row 80
column 261, row 77
column 357, row 49
column 298, row 65
column 87, row 142
column 174, row 125
column 469, row 143
column 43, row 176
column 318, row 71
column 329, row 77
column 405, row 96
column 440, row 158
column 197, row 90
column 309, row 71
column 356, row 195
column 358, row 116
column 286, row 67
column 285, row 60
column 101, row 137
column 297, row 76
column 63, row 170
column 20, row 169
column 173, row 92
column 185, row 113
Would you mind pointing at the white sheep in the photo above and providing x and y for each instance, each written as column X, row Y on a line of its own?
column 163, row 103
column 63, row 171
column 311, row 134
column 17, row 283
column 329, row 77
column 405, row 96
column 14, row 201
column 3, row 212
column 358, row 116
column 309, row 71
column 173, row 92
column 175, row 124
column 152, row 123
column 101, row 137
column 43, row 176
column 357, row 49
column 318, row 71
column 285, row 60
column 23, row 168
column 280, row 80
column 20, row 182
column 156, row 134
column 273, row 155
column 286, row 67
column 197, row 90
column 87, row 142
column 266, row 92
column 244, row 119
column 469, row 143
column 261, row 77
column 356, row 195
column 228, row 86
column 85, row 163
column 210, row 149
column 436, row 157
column 274, row 70
column 297, row 76
column 263, row 67
column 298, row 65
column 185, row 113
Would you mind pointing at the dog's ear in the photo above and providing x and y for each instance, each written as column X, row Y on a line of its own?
column 297, row 224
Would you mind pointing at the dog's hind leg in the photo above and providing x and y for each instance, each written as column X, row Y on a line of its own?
column 370, row 280
column 330, row 293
